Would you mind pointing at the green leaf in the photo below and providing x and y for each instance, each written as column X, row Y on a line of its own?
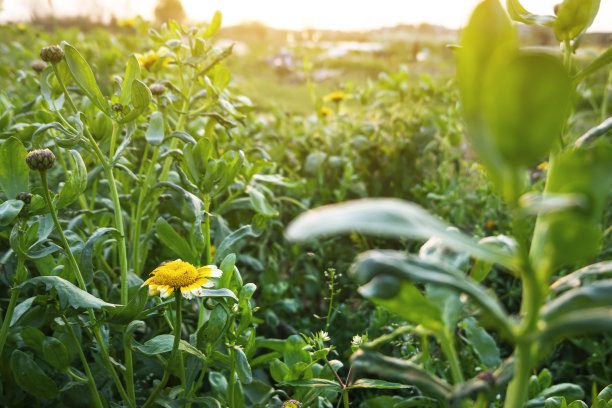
column 227, row 267
column 317, row 383
column 512, row 92
column 598, row 294
column 214, row 25
column 278, row 370
column 84, row 77
column 85, row 258
column 163, row 344
column 401, row 370
column 574, row 17
column 76, row 183
column 68, row 293
column 378, row 384
column 518, row 13
column 33, row 337
column 14, row 172
column 56, row 354
column 390, row 218
column 242, row 366
column 601, row 61
column 373, row 264
column 20, row 309
column 140, row 98
column 9, row 210
column 482, row 343
column 170, row 238
column 138, row 296
column 132, row 72
column 31, row 378
column 260, row 203
column 212, row 331
column 578, row 323
column 155, row 131
column 218, row 293
column 232, row 241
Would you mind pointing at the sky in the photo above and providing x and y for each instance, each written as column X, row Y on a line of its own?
column 295, row 14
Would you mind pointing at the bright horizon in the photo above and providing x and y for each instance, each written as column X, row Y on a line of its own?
column 297, row 15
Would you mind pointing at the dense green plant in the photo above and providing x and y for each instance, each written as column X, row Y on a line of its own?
column 516, row 105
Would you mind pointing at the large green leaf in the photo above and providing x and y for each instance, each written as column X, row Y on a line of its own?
column 483, row 344
column 14, row 172
column 401, row 370
column 140, row 98
column 68, row 293
column 601, row 61
column 84, row 77
column 373, row 264
column 163, row 344
column 31, row 378
column 155, row 131
column 132, row 72
column 170, row 238
column 377, row 384
column 390, row 218
column 598, row 294
column 76, row 183
column 214, row 25
column 85, row 261
column 9, row 210
column 55, row 353
column 588, row 273
column 525, row 104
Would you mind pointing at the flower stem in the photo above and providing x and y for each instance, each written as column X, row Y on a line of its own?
column 448, row 348
column 11, row 308
column 173, row 353
column 95, row 395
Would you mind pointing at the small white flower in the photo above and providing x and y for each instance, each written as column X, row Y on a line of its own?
column 323, row 335
column 357, row 341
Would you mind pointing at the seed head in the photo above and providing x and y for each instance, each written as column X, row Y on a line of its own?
column 157, row 89
column 25, row 197
column 40, row 160
column 38, row 66
column 52, row 54
column 117, row 107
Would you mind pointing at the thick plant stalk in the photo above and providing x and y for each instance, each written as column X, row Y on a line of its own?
column 173, row 353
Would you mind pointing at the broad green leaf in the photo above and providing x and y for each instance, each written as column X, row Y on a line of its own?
column 578, row 323
column 482, row 343
column 76, row 183
column 260, row 203
column 233, row 241
column 138, row 296
column 84, row 77
column 68, row 293
column 401, row 370
column 598, row 294
column 574, row 17
column 33, row 338
column 512, row 92
column 227, row 267
column 163, row 344
column 14, row 172
column 131, row 328
column 214, row 25
column 31, row 378
column 389, row 218
column 378, row 384
column 72, row 138
column 294, row 352
column 519, row 13
column 218, row 293
column 155, row 131
column 317, row 383
column 212, row 331
column 140, row 98
column 242, row 366
column 278, row 370
column 398, row 265
column 570, row 392
column 85, row 258
column 170, row 238
column 20, row 309
column 132, row 72
column 573, row 236
column 56, row 354
column 9, row 210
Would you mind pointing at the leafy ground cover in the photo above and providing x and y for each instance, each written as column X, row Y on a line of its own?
column 169, row 238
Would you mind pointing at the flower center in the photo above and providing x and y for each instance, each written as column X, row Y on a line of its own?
column 175, row 274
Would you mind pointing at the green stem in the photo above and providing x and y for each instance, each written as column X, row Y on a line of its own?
column 95, row 395
column 448, row 348
column 516, row 394
column 144, row 189
column 9, row 315
column 345, row 398
column 232, row 379
column 173, row 353
column 129, row 375
column 81, row 282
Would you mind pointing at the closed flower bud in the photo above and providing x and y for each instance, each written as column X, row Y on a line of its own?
column 157, row 89
column 25, row 197
column 40, row 160
column 38, row 66
column 117, row 107
column 52, row 54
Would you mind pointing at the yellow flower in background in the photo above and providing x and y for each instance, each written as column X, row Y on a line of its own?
column 336, row 97
column 543, row 166
column 22, row 26
column 148, row 59
column 129, row 22
column 181, row 276
column 325, row 111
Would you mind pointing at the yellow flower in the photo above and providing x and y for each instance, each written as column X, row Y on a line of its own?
column 130, row 22
column 148, row 59
column 336, row 97
column 325, row 111
column 181, row 276
column 543, row 166
column 291, row 404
